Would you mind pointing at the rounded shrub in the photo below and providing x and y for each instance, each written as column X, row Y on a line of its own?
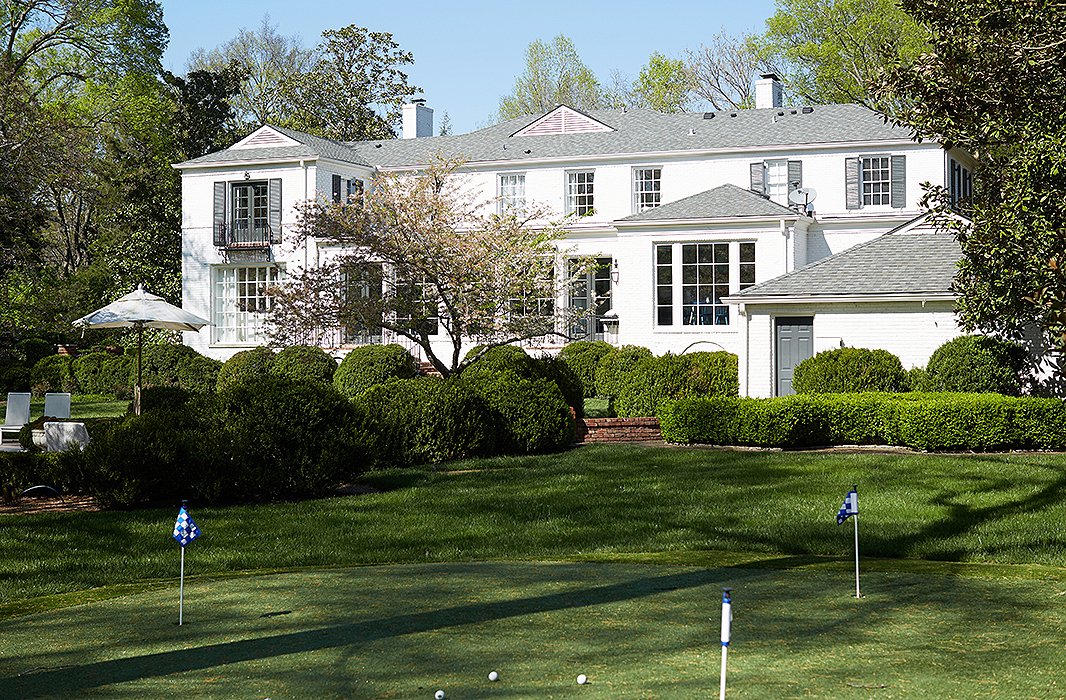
column 849, row 370
column 554, row 369
column 115, row 374
column 199, row 374
column 304, row 363
column 88, row 372
column 243, row 366
column 501, row 358
column 614, row 365
column 533, row 414
column 53, row 373
column 395, row 412
column 155, row 398
column 162, row 365
column 711, row 374
column 289, row 439
column 16, row 378
column 976, row 363
column 457, row 423
column 582, row 357
column 371, row 365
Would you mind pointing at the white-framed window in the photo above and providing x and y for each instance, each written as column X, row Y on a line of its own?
column 876, row 180
column 419, row 297
column 647, row 188
column 776, row 181
column 691, row 279
column 251, row 213
column 240, row 302
column 355, row 190
column 579, row 192
column 511, row 192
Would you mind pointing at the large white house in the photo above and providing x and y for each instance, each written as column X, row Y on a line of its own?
column 773, row 233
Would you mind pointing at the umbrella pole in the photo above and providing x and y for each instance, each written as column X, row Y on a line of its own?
column 137, row 389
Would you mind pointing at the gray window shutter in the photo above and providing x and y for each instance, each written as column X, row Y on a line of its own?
column 336, row 189
column 851, row 183
column 220, row 214
column 795, row 175
column 757, row 178
column 899, row 182
column 274, row 204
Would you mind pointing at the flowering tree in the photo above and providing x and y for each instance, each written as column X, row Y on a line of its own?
column 419, row 256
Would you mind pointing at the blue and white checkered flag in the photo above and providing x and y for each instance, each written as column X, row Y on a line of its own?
column 850, row 507
column 185, row 530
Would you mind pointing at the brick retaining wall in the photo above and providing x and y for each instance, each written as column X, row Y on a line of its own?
column 618, row 430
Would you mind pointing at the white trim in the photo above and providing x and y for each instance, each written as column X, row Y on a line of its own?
column 842, row 298
column 281, row 140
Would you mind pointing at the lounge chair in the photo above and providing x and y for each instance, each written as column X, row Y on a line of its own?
column 57, row 405
column 18, row 414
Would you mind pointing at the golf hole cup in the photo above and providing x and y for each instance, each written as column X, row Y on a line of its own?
column 493, row 676
column 582, row 679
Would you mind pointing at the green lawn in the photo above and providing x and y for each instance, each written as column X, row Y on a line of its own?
column 403, row 631
column 591, row 501
column 81, row 406
column 963, row 581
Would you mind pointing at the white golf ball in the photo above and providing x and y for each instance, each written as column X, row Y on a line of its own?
column 493, row 676
column 439, row 695
column 582, row 679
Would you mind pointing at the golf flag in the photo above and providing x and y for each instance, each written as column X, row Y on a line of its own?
column 185, row 530
column 850, row 507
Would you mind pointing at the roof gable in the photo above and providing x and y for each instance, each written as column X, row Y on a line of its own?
column 264, row 137
column 563, row 120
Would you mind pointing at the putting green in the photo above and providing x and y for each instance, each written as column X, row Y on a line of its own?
column 636, row 630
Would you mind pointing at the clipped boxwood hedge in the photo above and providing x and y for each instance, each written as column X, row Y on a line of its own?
column 925, row 421
column 656, row 379
column 304, row 363
column 615, row 365
column 582, row 356
column 846, row 370
column 976, row 363
column 371, row 365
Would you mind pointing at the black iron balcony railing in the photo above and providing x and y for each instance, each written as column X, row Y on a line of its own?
column 244, row 233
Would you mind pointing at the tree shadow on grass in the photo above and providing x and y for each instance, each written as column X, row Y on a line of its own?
column 78, row 678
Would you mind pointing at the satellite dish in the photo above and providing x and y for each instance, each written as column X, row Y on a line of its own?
column 803, row 195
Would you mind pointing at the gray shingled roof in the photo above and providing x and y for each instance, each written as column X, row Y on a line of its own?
column 918, row 260
column 725, row 201
column 644, row 131
column 635, row 131
column 310, row 147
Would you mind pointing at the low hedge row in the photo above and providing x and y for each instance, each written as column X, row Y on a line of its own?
column 924, row 421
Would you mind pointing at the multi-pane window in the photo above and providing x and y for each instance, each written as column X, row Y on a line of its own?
column 251, row 213
column 418, row 305
column 591, row 293
column 664, row 284
column 512, row 192
column 692, row 279
column 355, row 190
column 647, row 188
column 362, row 294
column 241, row 302
column 579, row 192
column 747, row 265
column 876, row 181
column 960, row 185
column 704, row 281
column 776, row 181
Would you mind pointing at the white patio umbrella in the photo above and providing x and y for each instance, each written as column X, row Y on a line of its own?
column 141, row 310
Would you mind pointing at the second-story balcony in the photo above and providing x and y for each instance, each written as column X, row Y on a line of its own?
column 245, row 233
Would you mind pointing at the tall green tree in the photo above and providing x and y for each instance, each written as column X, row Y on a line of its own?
column 992, row 83
column 554, row 75
column 355, row 89
column 264, row 59
column 839, row 50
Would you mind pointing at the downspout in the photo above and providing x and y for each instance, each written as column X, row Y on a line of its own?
column 784, row 235
column 307, row 242
column 746, row 389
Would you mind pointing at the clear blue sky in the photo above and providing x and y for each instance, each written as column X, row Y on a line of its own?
column 467, row 54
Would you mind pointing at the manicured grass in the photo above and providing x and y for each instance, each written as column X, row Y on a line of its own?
column 635, row 630
column 81, row 406
column 597, row 408
column 591, row 502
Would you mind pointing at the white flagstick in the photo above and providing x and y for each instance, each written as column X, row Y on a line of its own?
column 856, row 516
column 181, row 588
column 727, row 621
